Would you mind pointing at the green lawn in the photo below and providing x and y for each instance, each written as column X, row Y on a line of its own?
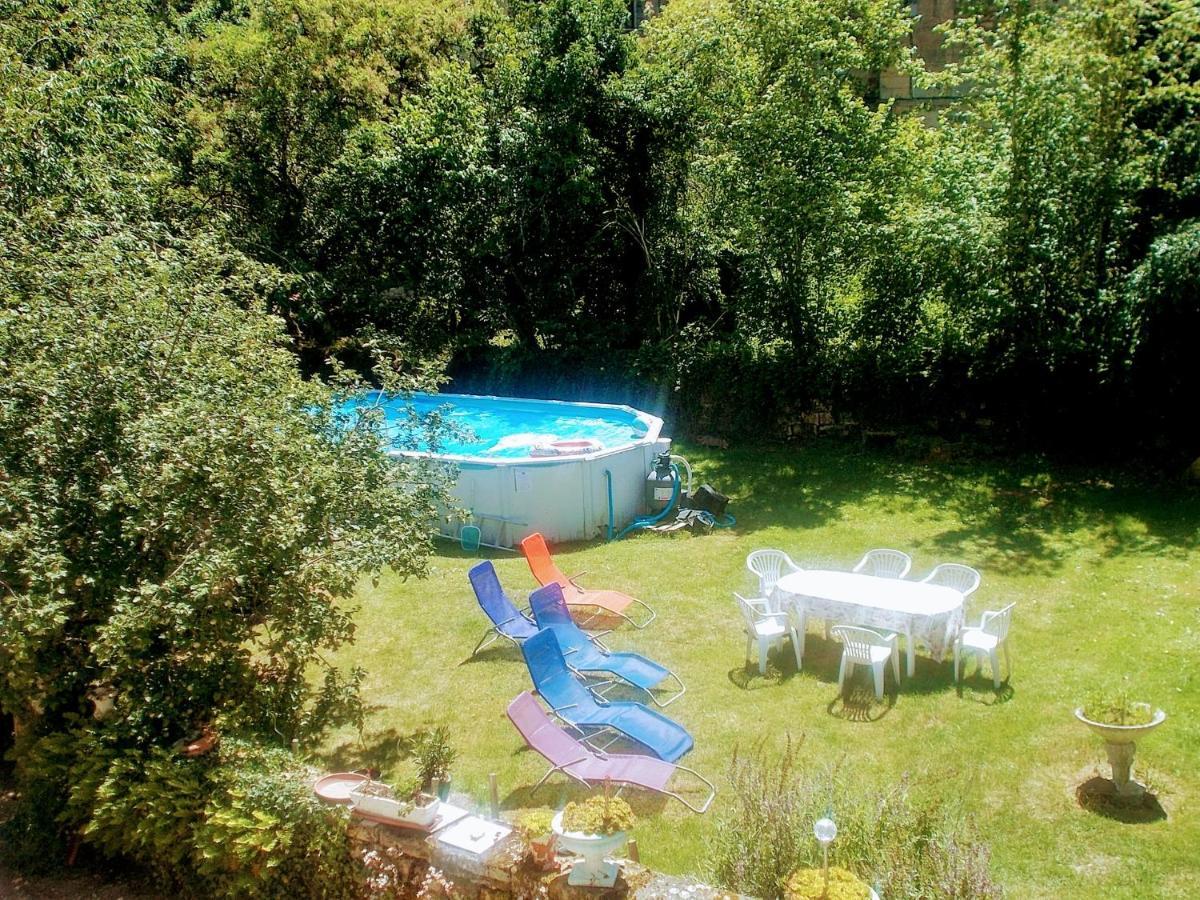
column 1105, row 571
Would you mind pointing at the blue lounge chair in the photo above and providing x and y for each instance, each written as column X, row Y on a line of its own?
column 507, row 621
column 577, row 706
column 588, row 654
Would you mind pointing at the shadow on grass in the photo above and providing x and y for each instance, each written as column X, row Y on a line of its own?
column 1099, row 795
column 857, row 703
column 980, row 689
column 1015, row 514
column 501, row 651
column 746, row 677
column 380, row 751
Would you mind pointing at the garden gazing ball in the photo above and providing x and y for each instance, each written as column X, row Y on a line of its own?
column 825, row 830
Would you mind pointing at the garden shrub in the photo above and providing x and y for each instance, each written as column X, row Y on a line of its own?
column 239, row 822
column 906, row 845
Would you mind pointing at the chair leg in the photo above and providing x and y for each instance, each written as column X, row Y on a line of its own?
column 842, row 674
column 957, row 653
column 877, row 670
column 762, row 656
column 994, row 658
column 1007, row 660
column 896, row 666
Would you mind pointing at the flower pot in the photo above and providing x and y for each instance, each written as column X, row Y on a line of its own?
column 373, row 799
column 443, row 787
column 1120, row 742
column 593, row 870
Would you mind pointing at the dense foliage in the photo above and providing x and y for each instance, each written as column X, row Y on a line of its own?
column 903, row 844
column 183, row 516
column 241, row 822
column 717, row 206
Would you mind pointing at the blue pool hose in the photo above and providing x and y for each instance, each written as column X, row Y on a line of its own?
column 647, row 521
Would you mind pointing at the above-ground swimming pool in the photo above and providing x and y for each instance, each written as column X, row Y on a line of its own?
column 536, row 465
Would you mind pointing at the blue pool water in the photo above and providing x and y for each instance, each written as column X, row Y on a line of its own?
column 506, row 428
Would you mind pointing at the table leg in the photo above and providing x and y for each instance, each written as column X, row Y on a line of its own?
column 912, row 653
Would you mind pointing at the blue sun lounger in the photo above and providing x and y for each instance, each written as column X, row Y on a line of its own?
column 587, row 654
column 577, row 706
column 507, row 621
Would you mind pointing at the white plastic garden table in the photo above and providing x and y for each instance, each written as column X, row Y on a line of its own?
column 929, row 614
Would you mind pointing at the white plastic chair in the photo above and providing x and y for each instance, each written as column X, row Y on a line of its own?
column 769, row 566
column 987, row 637
column 767, row 628
column 865, row 647
column 963, row 579
column 884, row 564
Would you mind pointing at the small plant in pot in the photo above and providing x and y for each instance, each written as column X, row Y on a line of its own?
column 405, row 804
column 1120, row 722
column 536, row 824
column 434, row 757
column 594, row 828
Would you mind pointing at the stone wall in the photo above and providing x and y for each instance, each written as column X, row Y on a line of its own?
column 409, row 863
column 929, row 45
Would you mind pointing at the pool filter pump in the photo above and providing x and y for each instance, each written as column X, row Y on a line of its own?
column 660, row 483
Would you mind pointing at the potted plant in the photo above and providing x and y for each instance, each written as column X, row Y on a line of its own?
column 811, row 884
column 434, row 757
column 406, row 804
column 593, row 828
column 1120, row 723
column 536, row 824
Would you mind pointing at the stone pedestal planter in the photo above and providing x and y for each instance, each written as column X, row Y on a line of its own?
column 593, row 870
column 1120, row 742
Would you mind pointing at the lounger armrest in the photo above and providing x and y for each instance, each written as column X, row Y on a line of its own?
column 510, row 619
column 571, row 578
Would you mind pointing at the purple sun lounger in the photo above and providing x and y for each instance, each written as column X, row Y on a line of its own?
column 587, row 654
column 572, row 757
column 577, row 706
column 507, row 621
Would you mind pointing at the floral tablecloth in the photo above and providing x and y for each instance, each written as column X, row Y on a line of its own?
column 926, row 614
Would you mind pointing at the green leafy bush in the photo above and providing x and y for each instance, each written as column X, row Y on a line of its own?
column 910, row 847
column 241, row 822
column 817, row 884
column 601, row 814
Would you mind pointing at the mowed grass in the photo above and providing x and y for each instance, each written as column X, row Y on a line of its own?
column 1104, row 569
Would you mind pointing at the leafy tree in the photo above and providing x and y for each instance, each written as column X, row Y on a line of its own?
column 182, row 516
column 275, row 95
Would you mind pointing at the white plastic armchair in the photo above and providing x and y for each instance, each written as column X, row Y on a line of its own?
column 963, row 579
column 768, row 566
column 765, row 627
column 884, row 564
column 987, row 637
column 866, row 647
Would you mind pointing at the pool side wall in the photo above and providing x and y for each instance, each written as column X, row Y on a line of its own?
column 565, row 498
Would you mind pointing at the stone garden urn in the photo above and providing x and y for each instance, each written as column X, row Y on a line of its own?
column 593, row 870
column 1120, row 742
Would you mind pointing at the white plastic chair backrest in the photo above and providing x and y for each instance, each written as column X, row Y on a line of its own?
column 884, row 563
column 748, row 612
column 963, row 579
column 858, row 641
column 769, row 565
column 996, row 623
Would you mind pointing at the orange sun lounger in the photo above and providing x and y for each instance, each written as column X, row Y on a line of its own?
column 614, row 603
